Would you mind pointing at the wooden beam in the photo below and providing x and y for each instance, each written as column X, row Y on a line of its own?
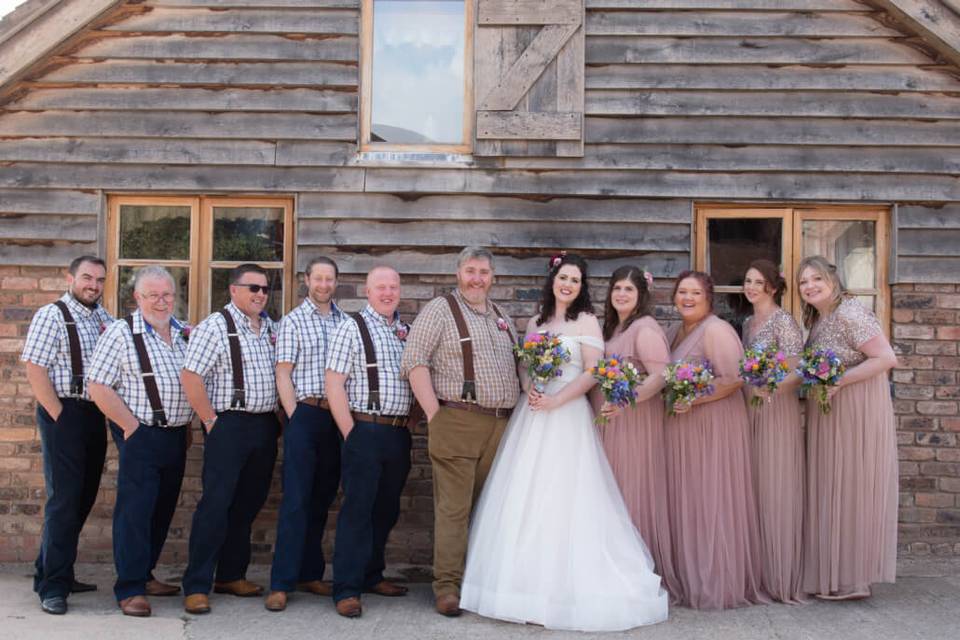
column 932, row 20
column 528, row 12
column 522, row 125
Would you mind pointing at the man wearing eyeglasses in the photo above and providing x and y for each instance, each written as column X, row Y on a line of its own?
column 134, row 378
column 228, row 376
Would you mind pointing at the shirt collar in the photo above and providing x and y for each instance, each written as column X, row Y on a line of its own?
column 370, row 311
column 146, row 327
column 78, row 307
column 334, row 309
column 240, row 316
column 463, row 302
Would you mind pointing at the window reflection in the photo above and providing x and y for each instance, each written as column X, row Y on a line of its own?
column 848, row 244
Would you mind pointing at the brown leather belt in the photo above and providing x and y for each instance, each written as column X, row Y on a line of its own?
column 317, row 402
column 393, row 421
column 475, row 408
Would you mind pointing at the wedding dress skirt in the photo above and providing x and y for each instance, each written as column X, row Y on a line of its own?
column 551, row 541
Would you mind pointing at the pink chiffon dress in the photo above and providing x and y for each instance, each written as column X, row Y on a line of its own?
column 776, row 437
column 633, row 442
column 713, row 515
column 851, row 517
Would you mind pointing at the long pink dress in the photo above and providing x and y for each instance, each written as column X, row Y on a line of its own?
column 851, row 525
column 713, row 514
column 776, row 430
column 633, row 441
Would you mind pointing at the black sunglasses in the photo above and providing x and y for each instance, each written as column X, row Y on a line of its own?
column 254, row 288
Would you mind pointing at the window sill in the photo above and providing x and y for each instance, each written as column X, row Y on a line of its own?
column 413, row 159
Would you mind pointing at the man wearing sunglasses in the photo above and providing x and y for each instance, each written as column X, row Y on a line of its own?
column 228, row 376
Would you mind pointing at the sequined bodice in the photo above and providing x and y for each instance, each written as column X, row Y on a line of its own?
column 780, row 331
column 845, row 330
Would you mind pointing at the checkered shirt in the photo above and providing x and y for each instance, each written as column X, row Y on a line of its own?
column 115, row 364
column 303, row 340
column 208, row 355
column 346, row 357
column 47, row 344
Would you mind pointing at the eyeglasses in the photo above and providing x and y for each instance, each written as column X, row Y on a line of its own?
column 254, row 288
column 154, row 297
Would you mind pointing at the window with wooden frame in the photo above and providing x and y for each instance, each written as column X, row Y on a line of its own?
column 199, row 239
column 854, row 238
column 416, row 86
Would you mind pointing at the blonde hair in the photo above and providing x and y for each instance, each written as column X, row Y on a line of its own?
column 828, row 272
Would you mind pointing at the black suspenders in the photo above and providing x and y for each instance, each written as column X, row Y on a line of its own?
column 370, row 355
column 76, row 355
column 148, row 377
column 239, row 400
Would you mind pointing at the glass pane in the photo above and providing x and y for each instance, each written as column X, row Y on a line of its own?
column 156, row 232
column 418, row 71
column 220, row 291
column 126, row 303
column 849, row 244
column 870, row 302
column 248, row 234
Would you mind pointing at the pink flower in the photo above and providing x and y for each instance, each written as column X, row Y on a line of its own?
column 401, row 331
column 502, row 324
column 273, row 336
column 648, row 277
column 103, row 327
column 185, row 332
column 557, row 259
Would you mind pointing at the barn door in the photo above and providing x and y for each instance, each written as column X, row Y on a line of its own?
column 529, row 68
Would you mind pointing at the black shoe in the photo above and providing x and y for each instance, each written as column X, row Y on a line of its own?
column 81, row 587
column 56, row 605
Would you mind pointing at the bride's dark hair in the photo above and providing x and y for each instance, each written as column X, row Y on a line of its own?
column 548, row 301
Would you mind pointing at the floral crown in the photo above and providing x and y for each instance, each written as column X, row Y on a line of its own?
column 557, row 259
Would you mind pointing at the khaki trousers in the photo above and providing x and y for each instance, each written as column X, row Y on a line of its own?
column 462, row 445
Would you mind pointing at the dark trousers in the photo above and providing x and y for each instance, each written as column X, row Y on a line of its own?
column 311, row 476
column 238, row 458
column 74, row 448
column 376, row 462
column 152, row 461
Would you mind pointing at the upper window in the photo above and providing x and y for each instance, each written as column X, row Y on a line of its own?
column 416, row 89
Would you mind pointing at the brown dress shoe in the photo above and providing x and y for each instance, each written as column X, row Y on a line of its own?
column 197, row 603
column 137, row 606
column 242, row 588
column 349, row 607
column 448, row 605
column 389, row 589
column 276, row 601
column 317, row 587
column 157, row 588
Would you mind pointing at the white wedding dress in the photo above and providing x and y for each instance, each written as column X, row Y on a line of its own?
column 551, row 541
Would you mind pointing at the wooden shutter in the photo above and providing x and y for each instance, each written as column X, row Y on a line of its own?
column 529, row 67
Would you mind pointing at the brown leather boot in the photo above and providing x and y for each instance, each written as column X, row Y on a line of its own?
column 276, row 601
column 389, row 589
column 448, row 605
column 196, row 603
column 157, row 588
column 136, row 606
column 242, row 588
column 317, row 587
column 349, row 607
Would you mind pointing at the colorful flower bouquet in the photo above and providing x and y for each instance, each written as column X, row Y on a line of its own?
column 763, row 368
column 618, row 381
column 820, row 369
column 543, row 354
column 687, row 381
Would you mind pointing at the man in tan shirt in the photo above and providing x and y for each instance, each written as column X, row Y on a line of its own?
column 466, row 418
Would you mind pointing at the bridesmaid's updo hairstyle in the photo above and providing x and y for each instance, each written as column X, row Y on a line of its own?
column 548, row 301
column 774, row 281
column 828, row 272
column 705, row 281
column 611, row 320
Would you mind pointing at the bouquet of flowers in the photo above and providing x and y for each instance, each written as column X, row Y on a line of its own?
column 687, row 381
column 618, row 382
column 820, row 369
column 543, row 354
column 763, row 368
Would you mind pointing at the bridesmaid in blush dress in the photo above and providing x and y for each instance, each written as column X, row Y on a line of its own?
column 633, row 437
column 851, row 518
column 776, row 430
column 714, row 529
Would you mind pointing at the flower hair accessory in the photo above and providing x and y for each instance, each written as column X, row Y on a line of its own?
column 557, row 259
column 647, row 276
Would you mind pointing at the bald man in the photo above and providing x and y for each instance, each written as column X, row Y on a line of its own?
column 369, row 402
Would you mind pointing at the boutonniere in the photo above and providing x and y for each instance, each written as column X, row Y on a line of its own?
column 185, row 332
column 103, row 327
column 401, row 331
column 502, row 325
column 272, row 336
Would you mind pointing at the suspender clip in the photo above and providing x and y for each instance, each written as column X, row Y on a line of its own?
column 159, row 418
column 239, row 400
column 373, row 403
column 76, row 386
column 469, row 393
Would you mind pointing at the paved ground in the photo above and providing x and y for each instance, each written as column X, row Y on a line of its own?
column 924, row 604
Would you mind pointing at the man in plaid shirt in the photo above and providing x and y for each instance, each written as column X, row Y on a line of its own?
column 376, row 448
column 152, row 446
column 240, row 443
column 311, row 442
column 72, row 430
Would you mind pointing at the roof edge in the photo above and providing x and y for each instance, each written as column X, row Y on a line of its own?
column 936, row 22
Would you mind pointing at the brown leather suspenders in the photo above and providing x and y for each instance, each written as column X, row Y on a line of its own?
column 239, row 400
column 148, row 377
column 469, row 393
column 76, row 355
column 370, row 356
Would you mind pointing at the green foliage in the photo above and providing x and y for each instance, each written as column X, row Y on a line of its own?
column 162, row 239
column 247, row 239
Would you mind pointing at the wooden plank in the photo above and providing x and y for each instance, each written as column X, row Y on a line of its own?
column 266, row 74
column 204, row 20
column 928, row 242
column 835, row 104
column 570, row 83
column 143, row 151
column 523, row 12
column 23, row 226
column 259, row 4
column 470, row 208
column 293, row 153
column 187, row 99
column 49, row 201
column 524, row 125
column 932, row 217
column 658, row 50
column 254, row 47
column 720, row 5
column 937, row 25
column 517, row 81
column 185, row 124
column 772, row 78
column 927, row 270
column 46, row 253
column 710, row 130
column 735, row 23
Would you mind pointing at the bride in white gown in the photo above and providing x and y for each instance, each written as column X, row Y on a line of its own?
column 551, row 541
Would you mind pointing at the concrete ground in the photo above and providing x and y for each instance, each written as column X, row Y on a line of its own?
column 923, row 604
